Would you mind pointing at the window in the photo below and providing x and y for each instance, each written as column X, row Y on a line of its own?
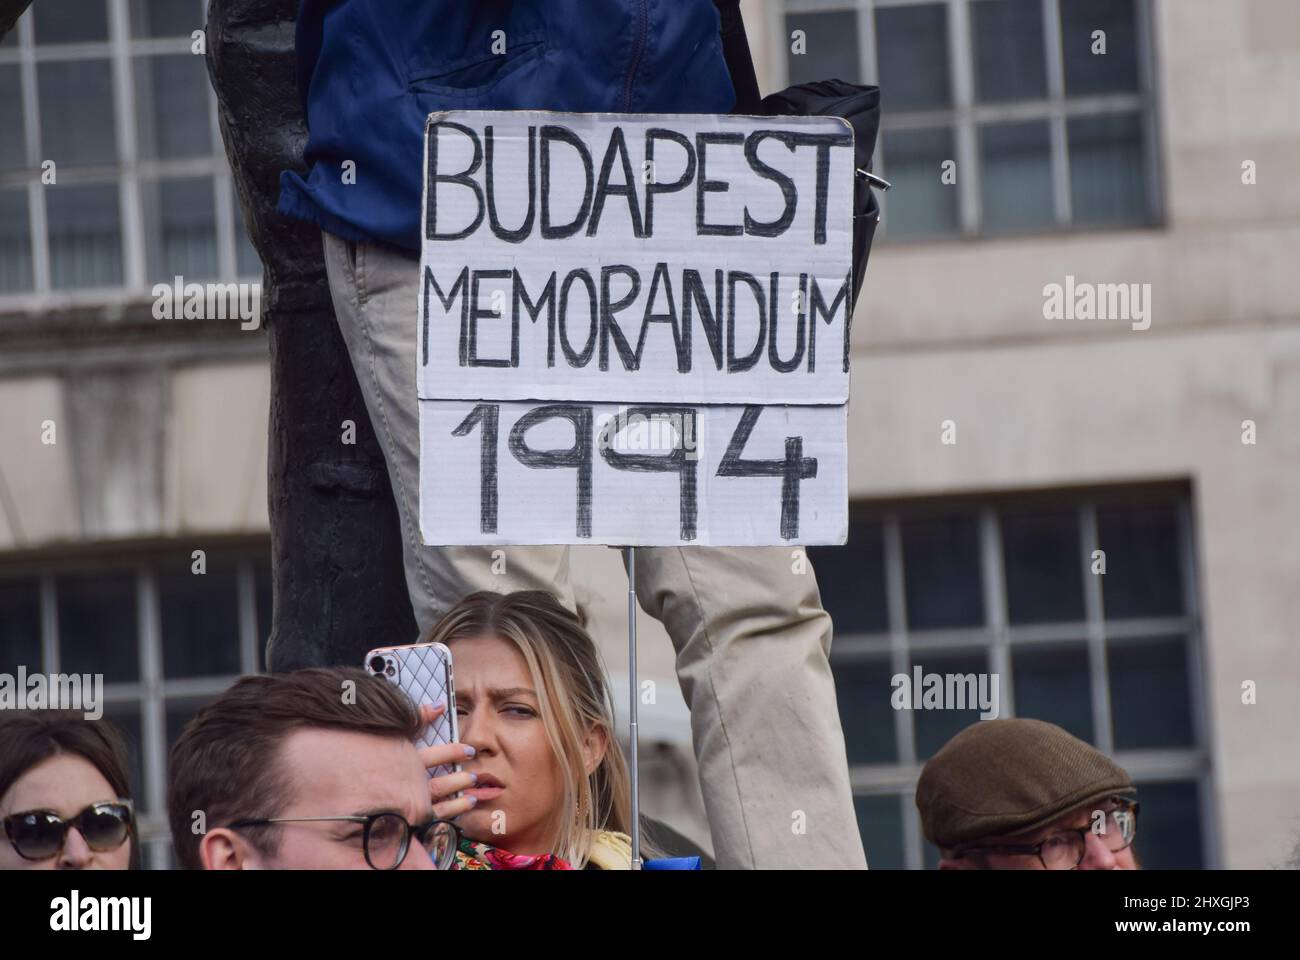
column 166, row 638
column 999, row 117
column 111, row 92
column 1006, row 586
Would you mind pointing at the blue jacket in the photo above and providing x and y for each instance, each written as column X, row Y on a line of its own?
column 370, row 71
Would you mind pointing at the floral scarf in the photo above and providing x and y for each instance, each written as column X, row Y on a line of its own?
column 473, row 855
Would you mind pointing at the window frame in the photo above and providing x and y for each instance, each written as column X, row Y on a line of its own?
column 965, row 115
column 152, row 692
column 129, row 173
column 997, row 638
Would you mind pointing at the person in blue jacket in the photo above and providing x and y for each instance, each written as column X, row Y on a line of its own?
column 748, row 626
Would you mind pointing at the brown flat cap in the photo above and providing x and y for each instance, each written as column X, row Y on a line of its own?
column 1007, row 777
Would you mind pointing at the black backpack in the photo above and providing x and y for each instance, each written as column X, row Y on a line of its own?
column 858, row 104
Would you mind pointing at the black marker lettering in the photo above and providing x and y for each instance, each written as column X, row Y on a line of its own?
column 510, row 236
column 704, row 185
column 617, row 146
column 463, row 178
column 577, row 456
column 651, row 136
column 556, row 134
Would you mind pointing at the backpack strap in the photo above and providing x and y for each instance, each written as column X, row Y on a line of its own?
column 740, row 63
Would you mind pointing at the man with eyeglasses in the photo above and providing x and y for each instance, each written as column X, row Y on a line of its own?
column 1025, row 795
column 314, row 769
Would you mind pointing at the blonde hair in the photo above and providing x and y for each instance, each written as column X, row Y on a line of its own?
column 574, row 699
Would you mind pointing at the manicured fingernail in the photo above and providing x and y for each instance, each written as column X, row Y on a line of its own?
column 473, row 777
column 473, row 801
column 470, row 751
column 440, row 705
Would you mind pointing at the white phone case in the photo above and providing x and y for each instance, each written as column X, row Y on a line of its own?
column 423, row 672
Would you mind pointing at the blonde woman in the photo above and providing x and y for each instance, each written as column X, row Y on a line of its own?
column 551, row 788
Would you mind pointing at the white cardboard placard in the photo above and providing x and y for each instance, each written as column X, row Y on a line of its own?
column 633, row 329
column 564, row 476
column 559, row 279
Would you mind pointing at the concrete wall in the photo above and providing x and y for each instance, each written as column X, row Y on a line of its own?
column 138, row 452
column 951, row 330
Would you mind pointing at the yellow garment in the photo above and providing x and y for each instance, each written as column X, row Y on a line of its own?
column 610, row 851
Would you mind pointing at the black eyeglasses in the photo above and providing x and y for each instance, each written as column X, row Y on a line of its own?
column 386, row 837
column 1065, row 849
column 40, row 834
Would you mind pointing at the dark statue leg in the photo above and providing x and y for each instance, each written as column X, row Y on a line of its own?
column 339, row 586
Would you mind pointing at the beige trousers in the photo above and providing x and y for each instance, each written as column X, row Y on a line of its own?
column 750, row 633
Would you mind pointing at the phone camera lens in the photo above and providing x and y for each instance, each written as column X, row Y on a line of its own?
column 390, row 670
column 377, row 664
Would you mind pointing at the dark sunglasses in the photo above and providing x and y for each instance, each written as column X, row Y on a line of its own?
column 40, row 834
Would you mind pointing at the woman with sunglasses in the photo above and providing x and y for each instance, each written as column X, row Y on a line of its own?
column 64, row 801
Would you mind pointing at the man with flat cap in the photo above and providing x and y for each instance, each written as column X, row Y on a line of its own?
column 1025, row 795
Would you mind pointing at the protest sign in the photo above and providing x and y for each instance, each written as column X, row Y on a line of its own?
column 638, row 319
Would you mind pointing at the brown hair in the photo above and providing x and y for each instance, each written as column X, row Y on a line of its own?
column 225, row 763
column 574, row 697
column 31, row 737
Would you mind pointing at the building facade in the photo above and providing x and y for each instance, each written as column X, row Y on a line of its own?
column 1094, row 503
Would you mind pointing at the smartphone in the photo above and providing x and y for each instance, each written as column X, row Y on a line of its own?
column 423, row 672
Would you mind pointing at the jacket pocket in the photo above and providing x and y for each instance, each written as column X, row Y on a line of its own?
column 479, row 77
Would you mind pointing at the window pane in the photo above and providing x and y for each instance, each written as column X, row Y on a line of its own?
column 160, row 855
column 922, row 205
column 200, row 617
column 262, row 579
column 1142, row 561
column 862, row 691
column 1087, row 72
column 179, row 714
column 1053, row 684
column 165, row 18
column 13, row 148
column 830, row 46
column 931, row 855
column 20, row 625
column 1107, row 169
column 1009, row 59
column 172, row 112
column 934, row 728
column 1150, row 698
column 181, row 218
column 941, row 569
column 1169, row 827
column 98, row 630
column 852, row 580
column 247, row 262
column 15, row 241
column 880, row 821
column 1016, row 176
column 85, row 236
column 71, row 21
column 76, row 106
column 126, row 717
column 912, row 47
column 1044, row 567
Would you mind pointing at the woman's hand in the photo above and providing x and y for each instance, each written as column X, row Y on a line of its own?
column 443, row 790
